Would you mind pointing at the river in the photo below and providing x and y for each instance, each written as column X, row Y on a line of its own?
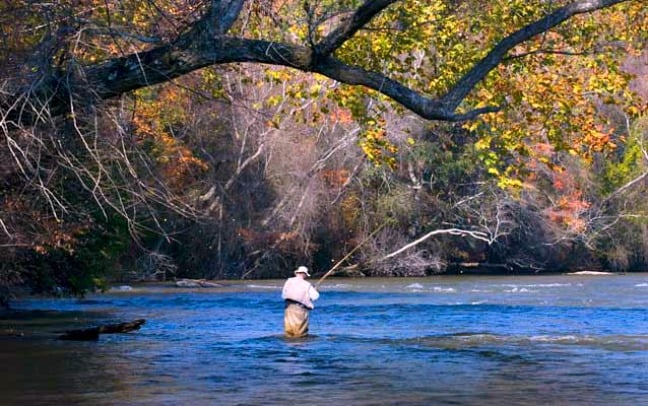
column 448, row 340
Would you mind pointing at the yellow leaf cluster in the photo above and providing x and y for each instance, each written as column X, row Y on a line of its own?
column 375, row 144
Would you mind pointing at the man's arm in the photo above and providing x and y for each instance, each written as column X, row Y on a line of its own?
column 313, row 293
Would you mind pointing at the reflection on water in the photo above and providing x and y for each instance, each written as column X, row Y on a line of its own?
column 442, row 340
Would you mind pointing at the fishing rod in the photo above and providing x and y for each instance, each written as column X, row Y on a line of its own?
column 337, row 264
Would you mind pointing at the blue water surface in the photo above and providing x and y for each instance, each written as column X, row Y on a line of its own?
column 559, row 339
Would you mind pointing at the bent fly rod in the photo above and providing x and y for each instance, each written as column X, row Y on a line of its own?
column 340, row 262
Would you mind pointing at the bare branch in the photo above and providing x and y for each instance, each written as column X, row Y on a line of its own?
column 479, row 235
column 544, row 52
column 4, row 228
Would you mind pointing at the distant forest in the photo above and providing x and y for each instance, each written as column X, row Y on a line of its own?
column 157, row 139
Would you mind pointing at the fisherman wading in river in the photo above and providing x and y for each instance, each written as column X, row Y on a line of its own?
column 299, row 295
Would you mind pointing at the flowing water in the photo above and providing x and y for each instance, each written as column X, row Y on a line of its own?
column 455, row 340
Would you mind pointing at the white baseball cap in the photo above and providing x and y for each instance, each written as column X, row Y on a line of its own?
column 302, row 269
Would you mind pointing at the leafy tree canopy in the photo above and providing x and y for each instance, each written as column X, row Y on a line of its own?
column 444, row 60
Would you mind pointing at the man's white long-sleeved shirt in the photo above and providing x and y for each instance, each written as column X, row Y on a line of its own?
column 301, row 291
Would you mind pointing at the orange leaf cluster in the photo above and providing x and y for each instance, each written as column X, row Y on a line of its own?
column 335, row 177
column 571, row 205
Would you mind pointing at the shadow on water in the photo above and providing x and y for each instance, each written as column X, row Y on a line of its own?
column 36, row 324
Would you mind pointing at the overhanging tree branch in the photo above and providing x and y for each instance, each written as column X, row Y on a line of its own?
column 205, row 44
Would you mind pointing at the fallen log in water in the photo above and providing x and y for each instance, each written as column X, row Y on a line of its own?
column 91, row 334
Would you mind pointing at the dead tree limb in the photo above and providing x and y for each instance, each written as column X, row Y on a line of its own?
column 479, row 235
